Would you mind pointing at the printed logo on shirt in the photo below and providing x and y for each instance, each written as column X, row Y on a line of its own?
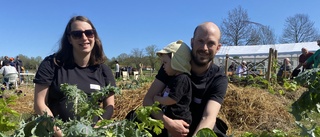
column 94, row 86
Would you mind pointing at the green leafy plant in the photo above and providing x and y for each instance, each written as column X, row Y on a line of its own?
column 8, row 116
column 206, row 132
column 290, row 85
column 144, row 113
column 308, row 104
column 86, row 108
column 133, row 84
column 39, row 126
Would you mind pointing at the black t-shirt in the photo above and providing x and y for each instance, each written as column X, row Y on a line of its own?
column 179, row 89
column 88, row 79
column 211, row 86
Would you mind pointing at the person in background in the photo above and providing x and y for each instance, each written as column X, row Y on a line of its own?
column 18, row 64
column 6, row 59
column 232, row 67
column 79, row 61
column 176, row 97
column 12, row 62
column 22, row 77
column 117, row 69
column 286, row 66
column 302, row 58
column 129, row 69
column 209, row 86
column 6, row 69
column 242, row 69
column 315, row 58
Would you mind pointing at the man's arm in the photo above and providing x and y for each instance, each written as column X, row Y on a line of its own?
column 209, row 116
column 300, row 64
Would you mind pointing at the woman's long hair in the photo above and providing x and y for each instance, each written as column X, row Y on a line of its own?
column 65, row 53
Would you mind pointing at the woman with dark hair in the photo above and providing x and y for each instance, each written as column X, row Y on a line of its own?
column 79, row 61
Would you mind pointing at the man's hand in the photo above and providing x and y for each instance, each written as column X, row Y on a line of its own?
column 177, row 128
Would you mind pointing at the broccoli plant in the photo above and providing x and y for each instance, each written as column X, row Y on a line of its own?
column 85, row 109
column 308, row 105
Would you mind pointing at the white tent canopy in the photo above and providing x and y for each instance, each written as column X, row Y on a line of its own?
column 263, row 50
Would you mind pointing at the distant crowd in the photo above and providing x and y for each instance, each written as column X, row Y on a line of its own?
column 11, row 65
column 15, row 62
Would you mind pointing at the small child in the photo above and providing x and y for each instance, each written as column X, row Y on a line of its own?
column 176, row 97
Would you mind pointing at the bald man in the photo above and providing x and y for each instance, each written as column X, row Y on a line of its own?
column 302, row 58
column 209, row 85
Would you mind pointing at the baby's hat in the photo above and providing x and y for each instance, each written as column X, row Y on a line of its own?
column 181, row 56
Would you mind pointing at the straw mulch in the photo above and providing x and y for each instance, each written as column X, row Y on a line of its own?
column 255, row 110
column 129, row 100
column 24, row 103
column 244, row 108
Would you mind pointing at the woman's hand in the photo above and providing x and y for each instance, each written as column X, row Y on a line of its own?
column 57, row 132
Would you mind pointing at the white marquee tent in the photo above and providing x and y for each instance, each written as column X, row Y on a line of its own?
column 263, row 50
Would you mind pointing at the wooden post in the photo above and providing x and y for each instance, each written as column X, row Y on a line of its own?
column 268, row 76
column 275, row 58
column 140, row 69
column 226, row 65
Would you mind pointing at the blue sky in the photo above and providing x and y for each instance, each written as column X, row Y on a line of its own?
column 34, row 27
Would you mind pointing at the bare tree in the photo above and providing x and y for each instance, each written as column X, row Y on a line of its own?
column 261, row 35
column 235, row 30
column 299, row 28
column 267, row 36
column 151, row 55
column 253, row 38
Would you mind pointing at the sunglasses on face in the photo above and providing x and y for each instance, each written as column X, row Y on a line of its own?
column 78, row 34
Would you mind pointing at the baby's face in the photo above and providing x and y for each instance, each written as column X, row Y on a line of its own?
column 166, row 60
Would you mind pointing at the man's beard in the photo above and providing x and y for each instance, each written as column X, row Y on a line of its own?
column 201, row 62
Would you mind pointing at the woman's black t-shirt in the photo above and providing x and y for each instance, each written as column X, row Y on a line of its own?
column 88, row 79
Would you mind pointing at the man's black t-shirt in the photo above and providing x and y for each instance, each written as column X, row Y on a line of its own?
column 88, row 79
column 211, row 86
column 179, row 89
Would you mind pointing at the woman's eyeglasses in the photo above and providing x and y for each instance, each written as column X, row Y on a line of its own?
column 78, row 34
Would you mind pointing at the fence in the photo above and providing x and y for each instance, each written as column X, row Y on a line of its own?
column 256, row 68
